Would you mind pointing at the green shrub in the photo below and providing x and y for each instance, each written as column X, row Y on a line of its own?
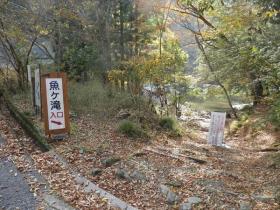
column 94, row 98
column 168, row 123
column 274, row 114
column 131, row 129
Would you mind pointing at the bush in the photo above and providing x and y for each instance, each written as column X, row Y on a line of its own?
column 131, row 129
column 168, row 123
column 94, row 98
column 274, row 114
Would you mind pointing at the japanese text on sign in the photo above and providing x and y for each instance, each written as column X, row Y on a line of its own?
column 216, row 131
column 55, row 103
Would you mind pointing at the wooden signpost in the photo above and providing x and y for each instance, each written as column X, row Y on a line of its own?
column 55, row 108
column 37, row 92
column 29, row 75
column 217, row 126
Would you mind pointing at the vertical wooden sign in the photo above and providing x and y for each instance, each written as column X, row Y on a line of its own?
column 217, row 126
column 55, row 108
column 29, row 75
column 37, row 91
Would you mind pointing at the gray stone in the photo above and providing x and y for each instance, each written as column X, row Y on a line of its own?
column 53, row 202
column 211, row 183
column 110, row 161
column 185, row 206
column 172, row 198
column 96, row 172
column 211, row 186
column 194, row 200
column 174, row 183
column 245, row 206
column 123, row 114
column 138, row 176
column 164, row 189
column 122, row 174
column 263, row 198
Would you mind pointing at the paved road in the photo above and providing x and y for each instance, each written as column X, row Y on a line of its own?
column 14, row 190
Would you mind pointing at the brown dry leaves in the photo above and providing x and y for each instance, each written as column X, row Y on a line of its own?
column 59, row 179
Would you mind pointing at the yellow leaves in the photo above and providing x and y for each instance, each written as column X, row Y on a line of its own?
column 41, row 30
column 115, row 74
column 254, row 49
column 144, row 69
column 234, row 18
column 270, row 14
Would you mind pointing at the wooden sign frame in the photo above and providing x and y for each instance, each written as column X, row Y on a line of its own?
column 45, row 116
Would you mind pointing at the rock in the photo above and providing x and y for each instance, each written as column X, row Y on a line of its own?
column 122, row 174
column 123, row 114
column 227, row 207
column 164, row 189
column 245, row 206
column 96, row 172
column 211, row 185
column 185, row 206
column 194, row 200
column 174, row 183
column 172, row 198
column 110, row 161
column 138, row 176
column 277, row 195
column 263, row 198
column 139, row 154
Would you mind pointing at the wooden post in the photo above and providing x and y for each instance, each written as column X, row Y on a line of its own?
column 37, row 92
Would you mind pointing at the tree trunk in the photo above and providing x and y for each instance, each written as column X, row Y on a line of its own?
column 122, row 39
column 201, row 47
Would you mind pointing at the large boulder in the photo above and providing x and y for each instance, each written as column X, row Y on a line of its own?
column 123, row 114
column 122, row 174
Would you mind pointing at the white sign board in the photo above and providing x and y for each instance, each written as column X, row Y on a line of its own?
column 55, row 103
column 217, row 126
column 29, row 74
column 37, row 90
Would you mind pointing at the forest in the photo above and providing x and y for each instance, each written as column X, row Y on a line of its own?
column 142, row 83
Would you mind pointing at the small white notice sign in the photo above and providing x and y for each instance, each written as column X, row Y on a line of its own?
column 37, row 89
column 29, row 74
column 55, row 103
column 217, row 126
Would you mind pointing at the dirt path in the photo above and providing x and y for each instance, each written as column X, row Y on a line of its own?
column 164, row 173
column 168, row 173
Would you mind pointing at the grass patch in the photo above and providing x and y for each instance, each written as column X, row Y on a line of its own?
column 211, row 106
column 27, row 125
column 274, row 114
column 171, row 126
column 131, row 129
column 96, row 99
column 167, row 123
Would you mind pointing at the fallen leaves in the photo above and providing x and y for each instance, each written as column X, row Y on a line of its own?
column 57, row 176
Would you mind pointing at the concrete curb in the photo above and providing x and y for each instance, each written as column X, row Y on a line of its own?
column 89, row 186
